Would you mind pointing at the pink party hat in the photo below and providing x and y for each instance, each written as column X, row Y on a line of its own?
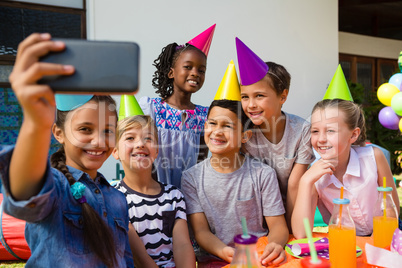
column 203, row 40
column 251, row 68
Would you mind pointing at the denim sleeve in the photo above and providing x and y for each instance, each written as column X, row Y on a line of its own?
column 128, row 255
column 35, row 208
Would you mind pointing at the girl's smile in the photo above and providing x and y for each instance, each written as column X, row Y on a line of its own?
column 88, row 137
column 330, row 135
column 188, row 72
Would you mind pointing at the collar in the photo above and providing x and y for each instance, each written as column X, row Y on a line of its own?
column 80, row 175
column 353, row 169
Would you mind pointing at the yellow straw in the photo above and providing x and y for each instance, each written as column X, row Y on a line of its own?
column 340, row 209
column 384, row 197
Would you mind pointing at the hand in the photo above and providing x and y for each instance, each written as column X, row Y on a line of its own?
column 273, row 254
column 319, row 168
column 36, row 100
column 227, row 253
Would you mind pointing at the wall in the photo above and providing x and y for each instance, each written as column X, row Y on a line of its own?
column 301, row 35
column 363, row 45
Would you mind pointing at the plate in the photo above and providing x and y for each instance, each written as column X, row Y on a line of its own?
column 305, row 240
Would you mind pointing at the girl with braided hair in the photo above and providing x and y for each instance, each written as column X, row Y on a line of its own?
column 180, row 72
column 74, row 217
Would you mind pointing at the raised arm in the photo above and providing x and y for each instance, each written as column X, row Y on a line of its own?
column 29, row 159
column 307, row 196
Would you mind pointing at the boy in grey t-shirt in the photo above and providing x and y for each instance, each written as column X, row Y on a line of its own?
column 228, row 186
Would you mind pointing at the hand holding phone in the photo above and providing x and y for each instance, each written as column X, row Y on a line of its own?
column 101, row 67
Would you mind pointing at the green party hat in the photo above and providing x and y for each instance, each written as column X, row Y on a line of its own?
column 400, row 61
column 129, row 107
column 338, row 88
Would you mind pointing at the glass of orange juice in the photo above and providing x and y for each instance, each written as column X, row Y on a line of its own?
column 342, row 236
column 385, row 218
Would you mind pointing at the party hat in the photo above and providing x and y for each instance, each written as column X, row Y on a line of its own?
column 68, row 102
column 400, row 61
column 338, row 88
column 203, row 40
column 129, row 107
column 229, row 89
column 251, row 68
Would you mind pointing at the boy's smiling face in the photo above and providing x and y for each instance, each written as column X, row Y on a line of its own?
column 223, row 132
column 260, row 101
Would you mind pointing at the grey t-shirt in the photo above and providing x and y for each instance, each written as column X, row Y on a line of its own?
column 294, row 147
column 251, row 191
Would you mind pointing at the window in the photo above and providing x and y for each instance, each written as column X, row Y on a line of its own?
column 18, row 20
column 368, row 71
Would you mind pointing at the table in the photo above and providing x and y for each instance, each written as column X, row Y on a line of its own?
column 292, row 262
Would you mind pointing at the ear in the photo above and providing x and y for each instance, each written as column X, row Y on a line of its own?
column 355, row 135
column 115, row 153
column 284, row 96
column 58, row 134
column 246, row 136
column 170, row 73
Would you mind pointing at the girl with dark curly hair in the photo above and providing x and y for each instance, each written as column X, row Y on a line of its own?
column 180, row 72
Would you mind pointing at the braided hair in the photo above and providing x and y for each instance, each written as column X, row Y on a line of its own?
column 94, row 226
column 165, row 61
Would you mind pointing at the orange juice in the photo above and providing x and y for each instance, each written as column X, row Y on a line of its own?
column 383, row 230
column 243, row 266
column 342, row 246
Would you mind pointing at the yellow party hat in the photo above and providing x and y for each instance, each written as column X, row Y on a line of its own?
column 229, row 89
column 338, row 88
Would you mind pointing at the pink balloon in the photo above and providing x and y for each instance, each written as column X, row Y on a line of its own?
column 388, row 118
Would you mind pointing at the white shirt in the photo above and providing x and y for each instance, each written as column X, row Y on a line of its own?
column 360, row 184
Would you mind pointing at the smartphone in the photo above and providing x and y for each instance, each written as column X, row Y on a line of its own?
column 102, row 67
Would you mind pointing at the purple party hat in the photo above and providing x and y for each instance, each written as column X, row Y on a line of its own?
column 251, row 67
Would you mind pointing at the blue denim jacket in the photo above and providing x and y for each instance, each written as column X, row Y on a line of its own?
column 54, row 222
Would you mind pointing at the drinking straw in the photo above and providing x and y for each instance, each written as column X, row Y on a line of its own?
column 313, row 251
column 340, row 209
column 244, row 227
column 384, row 197
column 246, row 235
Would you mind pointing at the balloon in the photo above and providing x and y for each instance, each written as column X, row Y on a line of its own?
column 396, row 103
column 388, row 118
column 385, row 93
column 400, row 125
column 396, row 80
